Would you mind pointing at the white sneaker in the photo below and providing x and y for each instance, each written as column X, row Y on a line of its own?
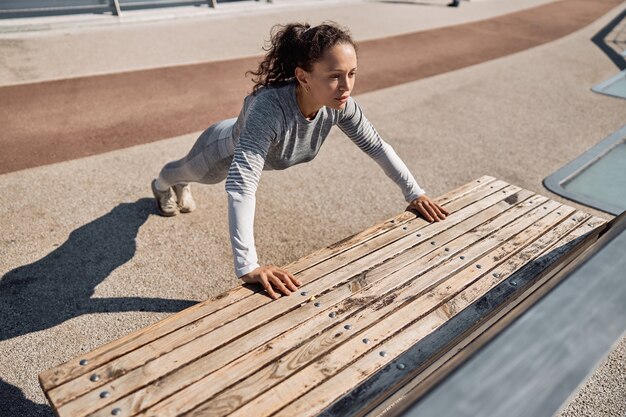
column 185, row 199
column 165, row 201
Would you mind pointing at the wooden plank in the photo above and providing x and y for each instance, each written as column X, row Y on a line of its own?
column 221, row 360
column 431, row 277
column 310, row 403
column 243, row 322
column 209, row 363
column 72, row 369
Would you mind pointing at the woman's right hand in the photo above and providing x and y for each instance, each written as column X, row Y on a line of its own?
column 272, row 276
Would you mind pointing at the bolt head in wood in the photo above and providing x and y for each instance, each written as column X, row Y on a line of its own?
column 462, row 257
column 94, row 378
column 317, row 304
column 383, row 353
column 400, row 366
column 366, row 340
column 332, row 315
column 447, row 249
column 105, row 394
column 513, row 284
column 116, row 411
column 496, row 275
column 303, row 293
column 347, row 326
column 478, row 266
column 83, row 362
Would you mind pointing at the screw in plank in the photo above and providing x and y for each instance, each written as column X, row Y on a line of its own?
column 116, row 411
column 478, row 266
column 404, row 228
column 447, row 249
column 432, row 243
column 366, row 340
column 496, row 275
column 303, row 293
column 462, row 257
column 317, row 304
column 94, row 378
column 347, row 326
column 83, row 362
column 558, row 212
column 513, row 284
column 400, row 366
column 332, row 315
column 383, row 353
column 105, row 394
column 418, row 235
column 530, row 202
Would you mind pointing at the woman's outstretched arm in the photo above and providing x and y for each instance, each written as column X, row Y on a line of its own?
column 242, row 181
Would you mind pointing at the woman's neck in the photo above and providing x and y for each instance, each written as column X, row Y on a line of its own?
column 307, row 108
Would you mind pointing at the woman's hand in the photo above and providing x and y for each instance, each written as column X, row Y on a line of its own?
column 428, row 208
column 270, row 276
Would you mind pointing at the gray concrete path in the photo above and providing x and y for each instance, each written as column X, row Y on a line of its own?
column 83, row 259
column 67, row 51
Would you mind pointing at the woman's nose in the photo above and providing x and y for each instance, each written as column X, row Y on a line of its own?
column 344, row 85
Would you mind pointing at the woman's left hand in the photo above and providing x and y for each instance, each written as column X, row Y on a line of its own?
column 428, row 208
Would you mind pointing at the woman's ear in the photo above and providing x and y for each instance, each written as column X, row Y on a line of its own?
column 302, row 76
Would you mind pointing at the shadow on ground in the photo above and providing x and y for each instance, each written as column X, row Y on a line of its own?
column 602, row 41
column 14, row 403
column 59, row 286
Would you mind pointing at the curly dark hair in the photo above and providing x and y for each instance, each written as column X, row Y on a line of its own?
column 296, row 45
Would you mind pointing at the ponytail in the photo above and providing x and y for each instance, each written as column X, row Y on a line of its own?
column 296, row 45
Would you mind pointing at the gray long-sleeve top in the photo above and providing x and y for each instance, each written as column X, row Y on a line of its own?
column 273, row 134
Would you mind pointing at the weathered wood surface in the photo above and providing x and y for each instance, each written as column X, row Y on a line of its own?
column 378, row 294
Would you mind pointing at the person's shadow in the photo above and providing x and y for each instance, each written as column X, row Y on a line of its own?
column 59, row 286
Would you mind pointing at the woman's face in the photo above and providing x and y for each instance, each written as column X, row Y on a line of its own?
column 332, row 78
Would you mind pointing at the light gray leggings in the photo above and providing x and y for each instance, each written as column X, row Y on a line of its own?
column 208, row 160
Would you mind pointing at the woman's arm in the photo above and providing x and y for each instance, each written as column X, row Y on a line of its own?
column 355, row 125
column 260, row 129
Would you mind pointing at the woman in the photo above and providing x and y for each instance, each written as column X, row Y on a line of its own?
column 302, row 89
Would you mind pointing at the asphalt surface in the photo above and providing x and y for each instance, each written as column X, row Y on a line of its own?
column 85, row 260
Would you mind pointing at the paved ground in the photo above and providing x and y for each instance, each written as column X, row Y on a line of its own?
column 84, row 259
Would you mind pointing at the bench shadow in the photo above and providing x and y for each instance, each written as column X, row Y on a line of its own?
column 59, row 286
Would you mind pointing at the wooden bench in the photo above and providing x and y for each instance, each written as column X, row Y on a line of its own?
column 391, row 309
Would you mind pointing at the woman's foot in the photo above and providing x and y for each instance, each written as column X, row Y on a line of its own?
column 185, row 199
column 165, row 201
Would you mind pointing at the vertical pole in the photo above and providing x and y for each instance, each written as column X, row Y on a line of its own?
column 212, row 3
column 117, row 11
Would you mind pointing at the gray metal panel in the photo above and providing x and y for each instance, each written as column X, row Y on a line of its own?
column 614, row 86
column 534, row 365
column 555, row 181
column 26, row 8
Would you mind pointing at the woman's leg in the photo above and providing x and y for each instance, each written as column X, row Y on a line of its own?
column 203, row 160
column 204, row 164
